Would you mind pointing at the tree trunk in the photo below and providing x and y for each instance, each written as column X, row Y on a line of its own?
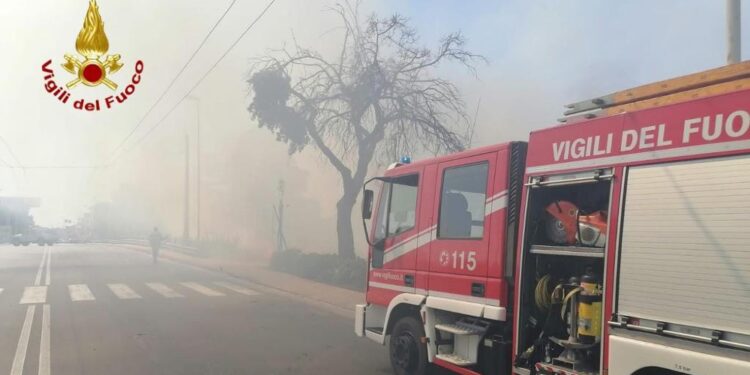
column 344, row 209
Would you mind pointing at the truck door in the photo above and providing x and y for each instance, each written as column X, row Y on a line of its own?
column 396, row 225
column 459, row 251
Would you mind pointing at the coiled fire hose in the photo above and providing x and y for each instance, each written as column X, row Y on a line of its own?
column 542, row 298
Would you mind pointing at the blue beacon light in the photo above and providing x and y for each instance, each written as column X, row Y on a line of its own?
column 405, row 160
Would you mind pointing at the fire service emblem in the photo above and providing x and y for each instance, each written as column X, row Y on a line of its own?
column 91, row 67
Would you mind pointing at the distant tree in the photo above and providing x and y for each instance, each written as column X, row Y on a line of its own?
column 378, row 98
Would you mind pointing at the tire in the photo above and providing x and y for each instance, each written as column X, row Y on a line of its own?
column 407, row 353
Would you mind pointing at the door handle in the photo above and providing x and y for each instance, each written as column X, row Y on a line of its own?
column 409, row 280
column 477, row 289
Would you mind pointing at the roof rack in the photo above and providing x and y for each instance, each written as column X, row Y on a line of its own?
column 721, row 80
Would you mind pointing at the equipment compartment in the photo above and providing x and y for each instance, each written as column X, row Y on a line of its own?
column 562, row 273
column 554, row 211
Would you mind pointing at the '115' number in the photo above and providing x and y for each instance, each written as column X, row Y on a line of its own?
column 462, row 260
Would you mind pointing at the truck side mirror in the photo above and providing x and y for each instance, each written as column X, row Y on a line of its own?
column 367, row 204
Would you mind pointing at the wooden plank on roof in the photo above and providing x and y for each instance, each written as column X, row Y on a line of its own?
column 667, row 87
column 682, row 96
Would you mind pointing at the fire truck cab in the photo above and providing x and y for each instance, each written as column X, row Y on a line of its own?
column 435, row 254
column 615, row 243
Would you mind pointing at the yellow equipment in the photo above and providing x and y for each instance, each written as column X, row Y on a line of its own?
column 590, row 310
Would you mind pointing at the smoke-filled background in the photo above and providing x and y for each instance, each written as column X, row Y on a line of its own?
column 541, row 55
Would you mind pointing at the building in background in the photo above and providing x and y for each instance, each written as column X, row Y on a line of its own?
column 15, row 217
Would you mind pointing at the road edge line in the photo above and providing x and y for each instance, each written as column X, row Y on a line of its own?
column 40, row 270
column 44, row 345
column 47, row 277
column 23, row 342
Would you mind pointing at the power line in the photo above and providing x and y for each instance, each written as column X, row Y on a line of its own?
column 10, row 151
column 472, row 128
column 12, row 171
column 18, row 163
column 164, row 93
column 234, row 44
column 28, row 167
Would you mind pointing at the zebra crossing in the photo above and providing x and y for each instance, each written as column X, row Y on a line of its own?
column 164, row 290
column 206, row 291
column 80, row 292
column 237, row 288
column 122, row 291
column 39, row 294
column 34, row 294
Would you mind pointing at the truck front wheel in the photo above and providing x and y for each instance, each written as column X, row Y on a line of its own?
column 408, row 353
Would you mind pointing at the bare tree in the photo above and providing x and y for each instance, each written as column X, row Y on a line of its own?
column 376, row 99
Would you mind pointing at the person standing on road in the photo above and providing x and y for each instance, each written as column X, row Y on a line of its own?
column 155, row 240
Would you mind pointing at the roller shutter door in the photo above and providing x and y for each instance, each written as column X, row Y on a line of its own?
column 685, row 249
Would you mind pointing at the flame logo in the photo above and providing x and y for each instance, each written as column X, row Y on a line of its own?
column 92, row 41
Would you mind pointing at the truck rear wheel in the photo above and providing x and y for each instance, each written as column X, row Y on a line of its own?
column 407, row 352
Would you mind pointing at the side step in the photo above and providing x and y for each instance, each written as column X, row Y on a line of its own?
column 459, row 329
column 455, row 359
column 466, row 335
column 375, row 334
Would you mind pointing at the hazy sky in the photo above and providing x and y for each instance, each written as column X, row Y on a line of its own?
column 541, row 54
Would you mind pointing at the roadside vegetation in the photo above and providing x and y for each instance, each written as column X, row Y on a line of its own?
column 345, row 272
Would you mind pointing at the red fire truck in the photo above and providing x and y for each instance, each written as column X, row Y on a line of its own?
column 615, row 243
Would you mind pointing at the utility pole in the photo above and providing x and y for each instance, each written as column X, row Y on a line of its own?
column 186, row 225
column 197, row 164
column 734, row 30
column 279, row 211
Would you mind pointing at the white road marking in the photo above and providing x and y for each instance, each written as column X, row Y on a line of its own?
column 164, row 290
column 47, row 277
column 237, row 288
column 80, row 292
column 23, row 342
column 38, row 278
column 123, row 291
column 44, row 346
column 202, row 289
column 34, row 294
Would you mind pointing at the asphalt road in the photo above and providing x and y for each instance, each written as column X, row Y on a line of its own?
column 97, row 309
